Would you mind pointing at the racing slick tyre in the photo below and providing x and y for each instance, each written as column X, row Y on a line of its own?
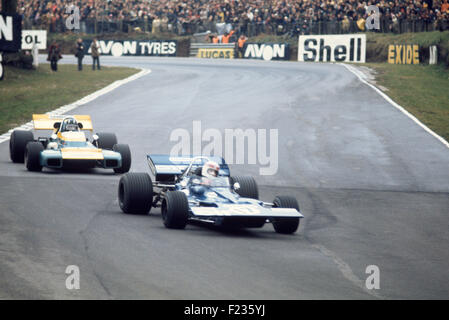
column 175, row 210
column 17, row 144
column 248, row 187
column 32, row 156
column 124, row 151
column 286, row 225
column 135, row 193
column 106, row 140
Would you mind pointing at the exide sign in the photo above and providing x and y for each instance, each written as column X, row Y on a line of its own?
column 332, row 48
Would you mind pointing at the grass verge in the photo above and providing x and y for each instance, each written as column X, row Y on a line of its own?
column 24, row 92
column 420, row 89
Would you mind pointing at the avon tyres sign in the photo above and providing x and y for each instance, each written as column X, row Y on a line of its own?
column 117, row 48
column 267, row 51
column 332, row 48
column 10, row 32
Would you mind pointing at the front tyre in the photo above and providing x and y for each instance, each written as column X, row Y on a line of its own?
column 248, row 187
column 106, row 140
column 33, row 156
column 124, row 151
column 135, row 193
column 17, row 144
column 286, row 225
column 175, row 210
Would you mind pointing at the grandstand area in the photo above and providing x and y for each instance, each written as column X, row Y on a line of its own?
column 249, row 17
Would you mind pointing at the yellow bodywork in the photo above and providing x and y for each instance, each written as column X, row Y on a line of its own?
column 46, row 122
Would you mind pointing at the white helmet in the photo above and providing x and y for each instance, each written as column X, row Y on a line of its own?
column 210, row 169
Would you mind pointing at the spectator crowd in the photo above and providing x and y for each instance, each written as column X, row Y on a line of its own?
column 249, row 17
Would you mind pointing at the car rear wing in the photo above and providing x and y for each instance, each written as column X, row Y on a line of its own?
column 165, row 167
column 47, row 122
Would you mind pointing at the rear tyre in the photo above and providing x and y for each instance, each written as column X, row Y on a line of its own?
column 175, row 210
column 106, row 140
column 124, row 151
column 17, row 144
column 286, row 225
column 33, row 156
column 135, row 193
column 248, row 187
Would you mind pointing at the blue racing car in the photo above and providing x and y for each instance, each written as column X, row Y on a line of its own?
column 199, row 188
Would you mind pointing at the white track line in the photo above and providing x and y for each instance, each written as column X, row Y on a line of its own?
column 64, row 109
column 362, row 78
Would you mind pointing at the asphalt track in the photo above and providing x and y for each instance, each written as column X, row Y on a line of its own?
column 372, row 184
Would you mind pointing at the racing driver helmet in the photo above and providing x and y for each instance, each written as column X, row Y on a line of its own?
column 70, row 124
column 210, row 169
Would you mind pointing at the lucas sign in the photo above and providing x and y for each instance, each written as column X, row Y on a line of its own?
column 332, row 48
column 10, row 32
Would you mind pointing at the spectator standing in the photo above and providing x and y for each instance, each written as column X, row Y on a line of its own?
column 241, row 45
column 54, row 54
column 445, row 6
column 225, row 38
column 95, row 53
column 35, row 54
column 80, row 53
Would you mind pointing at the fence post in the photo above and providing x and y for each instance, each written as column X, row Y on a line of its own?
column 433, row 55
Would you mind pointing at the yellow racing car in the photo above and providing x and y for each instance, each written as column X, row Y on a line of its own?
column 68, row 146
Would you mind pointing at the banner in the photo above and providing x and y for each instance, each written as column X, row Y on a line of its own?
column 222, row 28
column 31, row 37
column 10, row 32
column 117, row 48
column 216, row 53
column 332, row 48
column 1, row 67
column 267, row 51
column 403, row 54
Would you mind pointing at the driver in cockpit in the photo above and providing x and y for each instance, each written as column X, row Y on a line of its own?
column 209, row 171
column 69, row 124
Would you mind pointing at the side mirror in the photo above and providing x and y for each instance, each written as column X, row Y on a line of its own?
column 54, row 136
column 95, row 137
column 80, row 125
column 56, row 125
column 236, row 186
